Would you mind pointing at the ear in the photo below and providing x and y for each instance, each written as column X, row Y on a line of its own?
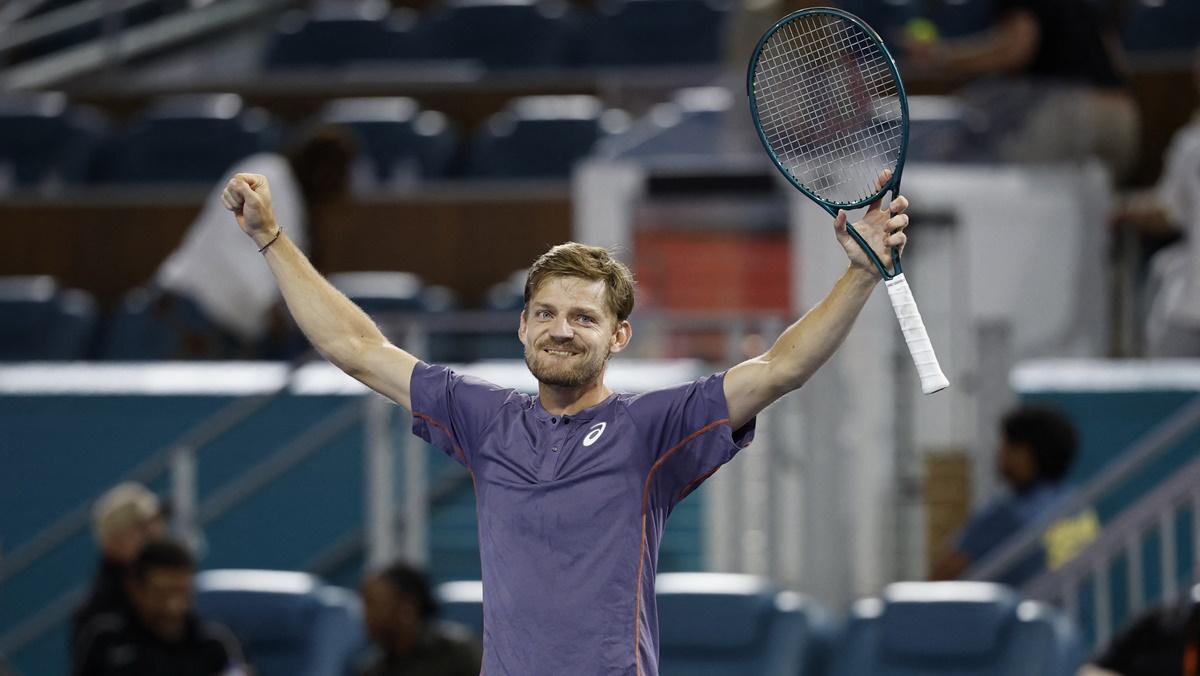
column 522, row 328
column 621, row 336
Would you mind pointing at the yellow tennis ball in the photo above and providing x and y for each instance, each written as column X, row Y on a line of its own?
column 921, row 30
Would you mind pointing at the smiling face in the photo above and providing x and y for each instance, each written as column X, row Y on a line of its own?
column 569, row 333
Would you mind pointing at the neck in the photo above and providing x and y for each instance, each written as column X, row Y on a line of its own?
column 571, row 400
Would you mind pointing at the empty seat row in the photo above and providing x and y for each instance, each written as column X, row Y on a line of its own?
column 505, row 34
column 40, row 320
column 44, row 141
column 710, row 625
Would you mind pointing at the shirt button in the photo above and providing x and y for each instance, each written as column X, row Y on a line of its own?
column 555, row 449
column 554, row 421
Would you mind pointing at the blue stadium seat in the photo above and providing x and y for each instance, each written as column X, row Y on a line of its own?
column 191, row 138
column 692, row 123
column 502, row 33
column 461, row 602
column 715, row 624
column 289, row 624
column 44, row 141
column 151, row 325
column 40, row 321
column 656, row 33
column 337, row 36
column 960, row 628
column 541, row 136
column 386, row 293
column 401, row 141
column 1161, row 26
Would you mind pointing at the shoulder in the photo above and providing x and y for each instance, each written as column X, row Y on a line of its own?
column 705, row 387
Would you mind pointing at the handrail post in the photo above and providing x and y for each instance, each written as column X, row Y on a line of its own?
column 379, row 467
column 182, row 468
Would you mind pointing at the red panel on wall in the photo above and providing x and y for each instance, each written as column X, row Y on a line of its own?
column 708, row 270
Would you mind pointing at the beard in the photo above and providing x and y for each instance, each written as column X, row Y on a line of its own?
column 581, row 368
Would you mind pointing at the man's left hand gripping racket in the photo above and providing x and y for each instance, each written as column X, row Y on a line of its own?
column 832, row 113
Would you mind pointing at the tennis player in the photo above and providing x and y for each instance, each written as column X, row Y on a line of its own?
column 573, row 486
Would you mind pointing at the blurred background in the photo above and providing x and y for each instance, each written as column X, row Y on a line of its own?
column 424, row 152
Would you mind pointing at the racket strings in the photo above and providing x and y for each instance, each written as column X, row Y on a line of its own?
column 829, row 106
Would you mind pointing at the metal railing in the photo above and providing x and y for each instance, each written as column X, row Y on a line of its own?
column 1124, row 536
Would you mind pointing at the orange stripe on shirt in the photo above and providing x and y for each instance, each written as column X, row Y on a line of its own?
column 637, row 607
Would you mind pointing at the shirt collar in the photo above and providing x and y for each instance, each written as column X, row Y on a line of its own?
column 543, row 415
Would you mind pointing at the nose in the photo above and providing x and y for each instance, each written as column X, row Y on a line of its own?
column 561, row 329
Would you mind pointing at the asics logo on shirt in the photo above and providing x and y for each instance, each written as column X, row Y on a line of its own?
column 594, row 433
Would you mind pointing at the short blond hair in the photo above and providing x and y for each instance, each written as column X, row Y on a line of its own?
column 587, row 262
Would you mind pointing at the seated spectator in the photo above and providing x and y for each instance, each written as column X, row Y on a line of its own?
column 158, row 634
column 1036, row 451
column 228, row 280
column 124, row 519
column 1164, row 641
column 399, row 613
column 1172, row 211
column 1063, row 83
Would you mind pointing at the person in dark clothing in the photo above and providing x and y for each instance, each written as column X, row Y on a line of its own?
column 158, row 634
column 124, row 518
column 1064, row 80
column 1164, row 641
column 1037, row 448
column 399, row 610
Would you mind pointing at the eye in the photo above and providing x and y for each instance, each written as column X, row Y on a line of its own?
column 543, row 314
column 587, row 319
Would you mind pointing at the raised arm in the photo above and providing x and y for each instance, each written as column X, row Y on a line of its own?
column 336, row 327
column 752, row 385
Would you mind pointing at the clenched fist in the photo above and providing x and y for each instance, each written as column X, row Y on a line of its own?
column 249, row 198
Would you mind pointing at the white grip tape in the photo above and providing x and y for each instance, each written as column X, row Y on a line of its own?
column 932, row 378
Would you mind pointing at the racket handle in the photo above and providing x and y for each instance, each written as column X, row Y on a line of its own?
column 932, row 378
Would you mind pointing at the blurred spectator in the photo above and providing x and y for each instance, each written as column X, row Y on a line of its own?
column 399, row 613
column 229, row 281
column 1036, row 451
column 1164, row 641
column 1067, row 87
column 1170, row 210
column 124, row 518
column 158, row 635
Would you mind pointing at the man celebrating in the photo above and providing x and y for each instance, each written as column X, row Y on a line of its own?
column 573, row 486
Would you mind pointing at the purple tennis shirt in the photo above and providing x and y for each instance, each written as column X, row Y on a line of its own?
column 571, row 511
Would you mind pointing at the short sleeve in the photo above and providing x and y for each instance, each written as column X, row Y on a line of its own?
column 686, row 429
column 452, row 411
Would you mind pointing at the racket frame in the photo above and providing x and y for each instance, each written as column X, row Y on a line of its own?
column 893, row 183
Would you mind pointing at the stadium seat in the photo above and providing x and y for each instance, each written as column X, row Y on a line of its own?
column 655, row 33
column 541, row 136
column 692, row 123
column 390, row 293
column 960, row 628
column 337, row 36
column 151, row 325
column 401, row 141
column 888, row 17
column 1161, row 26
column 716, row 624
column 502, row 33
column 44, row 141
column 40, row 321
column 461, row 602
column 289, row 624
column 190, row 138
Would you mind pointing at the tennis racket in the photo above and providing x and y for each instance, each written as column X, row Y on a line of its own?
column 831, row 111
